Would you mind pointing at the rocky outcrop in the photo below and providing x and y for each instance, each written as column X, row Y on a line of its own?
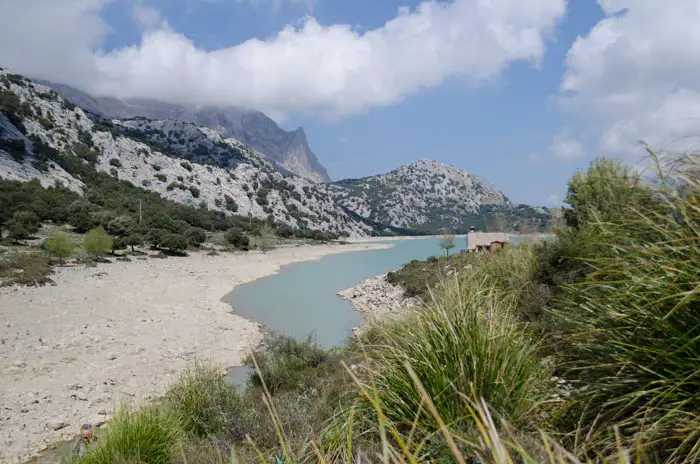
column 287, row 151
column 378, row 300
column 180, row 161
column 424, row 193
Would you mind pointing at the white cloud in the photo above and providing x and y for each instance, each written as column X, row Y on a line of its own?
column 561, row 148
column 334, row 69
column 344, row 139
column 148, row 16
column 637, row 75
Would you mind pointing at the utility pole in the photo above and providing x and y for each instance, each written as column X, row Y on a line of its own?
column 140, row 212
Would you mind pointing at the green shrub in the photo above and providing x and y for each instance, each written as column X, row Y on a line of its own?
column 202, row 402
column 60, row 246
column 22, row 225
column 147, row 435
column 464, row 343
column 194, row 191
column 115, row 162
column 162, row 177
column 134, row 240
column 237, row 238
column 635, row 326
column 155, row 236
column 195, row 236
column 97, row 242
column 30, row 269
column 174, row 243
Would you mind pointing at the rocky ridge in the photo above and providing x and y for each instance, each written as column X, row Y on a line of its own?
column 424, row 193
column 377, row 299
column 223, row 173
column 287, row 151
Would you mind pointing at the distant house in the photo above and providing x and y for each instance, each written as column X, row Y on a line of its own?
column 484, row 240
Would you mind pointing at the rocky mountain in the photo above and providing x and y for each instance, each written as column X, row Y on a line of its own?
column 46, row 137
column 423, row 194
column 288, row 152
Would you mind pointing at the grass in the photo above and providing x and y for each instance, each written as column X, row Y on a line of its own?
column 31, row 269
column 583, row 349
column 148, row 435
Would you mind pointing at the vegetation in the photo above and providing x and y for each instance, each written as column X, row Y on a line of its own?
column 59, row 246
column 447, row 242
column 175, row 243
column 97, row 242
column 265, row 238
column 31, row 269
column 195, row 236
column 22, row 225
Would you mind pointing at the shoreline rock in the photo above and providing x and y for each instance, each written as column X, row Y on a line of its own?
column 377, row 299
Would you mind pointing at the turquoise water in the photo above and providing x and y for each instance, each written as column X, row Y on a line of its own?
column 301, row 299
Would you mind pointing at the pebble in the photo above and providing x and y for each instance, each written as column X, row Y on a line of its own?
column 111, row 356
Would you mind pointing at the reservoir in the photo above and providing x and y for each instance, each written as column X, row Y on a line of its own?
column 301, row 299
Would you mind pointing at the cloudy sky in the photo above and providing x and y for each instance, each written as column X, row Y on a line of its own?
column 521, row 92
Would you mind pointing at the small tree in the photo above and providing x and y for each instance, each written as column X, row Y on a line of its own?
column 22, row 225
column 195, row 236
column 174, row 242
column 237, row 238
column 447, row 242
column 97, row 242
column 121, row 226
column 155, row 236
column 60, row 246
column 265, row 238
column 134, row 240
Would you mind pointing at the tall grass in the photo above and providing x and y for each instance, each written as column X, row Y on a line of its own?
column 464, row 342
column 147, row 435
column 634, row 352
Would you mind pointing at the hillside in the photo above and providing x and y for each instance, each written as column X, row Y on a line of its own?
column 45, row 137
column 287, row 151
column 431, row 196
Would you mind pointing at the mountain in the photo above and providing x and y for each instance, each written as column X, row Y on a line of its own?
column 289, row 152
column 433, row 197
column 45, row 137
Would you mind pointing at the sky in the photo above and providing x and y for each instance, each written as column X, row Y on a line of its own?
column 520, row 92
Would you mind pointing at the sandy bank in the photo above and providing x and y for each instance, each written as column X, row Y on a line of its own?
column 118, row 332
column 398, row 237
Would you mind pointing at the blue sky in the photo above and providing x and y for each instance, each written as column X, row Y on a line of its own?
column 520, row 93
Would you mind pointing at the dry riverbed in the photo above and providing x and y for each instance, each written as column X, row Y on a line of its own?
column 119, row 332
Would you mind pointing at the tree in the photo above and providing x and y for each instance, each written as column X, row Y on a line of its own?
column 174, row 242
column 60, row 246
column 97, row 242
column 237, row 238
column 608, row 191
column 80, row 215
column 22, row 225
column 121, row 226
column 265, row 238
column 447, row 242
column 134, row 240
column 195, row 236
column 155, row 236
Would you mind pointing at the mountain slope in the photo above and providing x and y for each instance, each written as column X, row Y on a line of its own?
column 425, row 194
column 288, row 151
column 45, row 137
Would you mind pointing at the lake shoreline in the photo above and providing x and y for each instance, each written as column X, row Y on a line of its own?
column 121, row 332
column 378, row 300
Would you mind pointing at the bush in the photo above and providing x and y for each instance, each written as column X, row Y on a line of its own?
column 194, row 191
column 115, row 162
column 60, row 246
column 174, row 243
column 186, row 165
column 196, row 236
column 147, row 435
column 635, row 324
column 237, row 238
column 29, row 269
column 230, row 204
column 134, row 240
column 97, row 242
column 155, row 236
column 464, row 343
column 201, row 400
column 22, row 225
column 161, row 177
column 265, row 238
